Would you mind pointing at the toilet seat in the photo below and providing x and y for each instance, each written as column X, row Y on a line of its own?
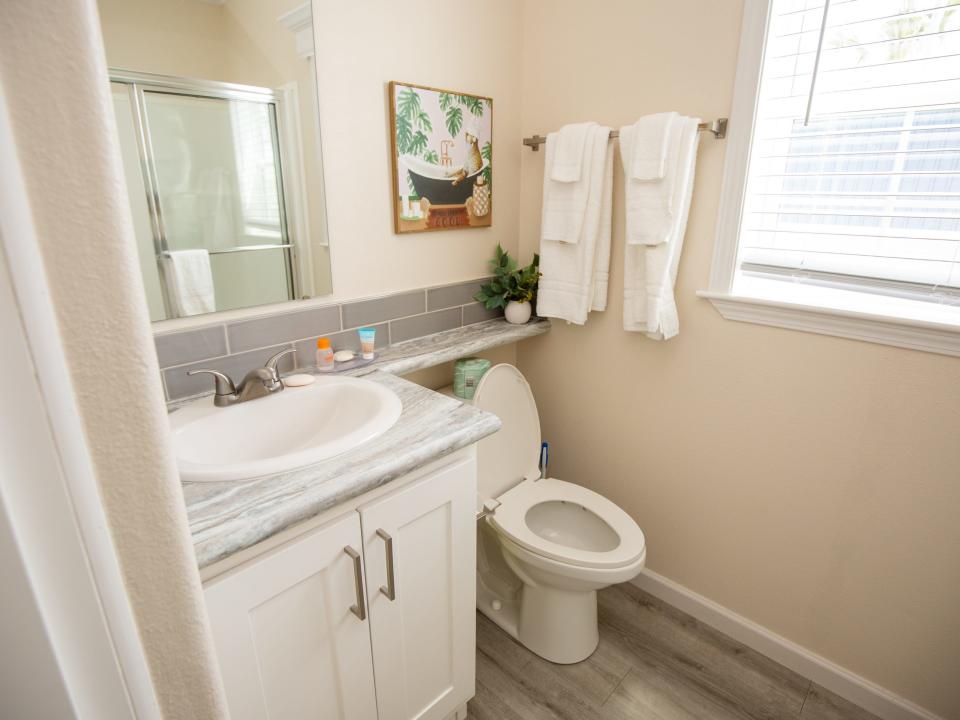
column 510, row 519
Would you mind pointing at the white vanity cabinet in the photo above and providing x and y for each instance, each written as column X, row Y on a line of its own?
column 295, row 640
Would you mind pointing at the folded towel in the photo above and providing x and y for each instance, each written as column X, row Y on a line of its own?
column 650, row 271
column 192, row 281
column 575, row 274
column 601, row 255
column 648, row 201
column 651, row 134
column 565, row 203
column 568, row 158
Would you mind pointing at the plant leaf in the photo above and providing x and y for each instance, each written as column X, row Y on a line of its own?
column 404, row 135
column 408, row 103
column 419, row 143
column 424, row 122
column 454, row 120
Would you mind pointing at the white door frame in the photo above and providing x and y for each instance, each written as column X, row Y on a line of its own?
column 49, row 493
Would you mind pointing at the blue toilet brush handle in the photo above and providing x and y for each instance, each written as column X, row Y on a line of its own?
column 544, row 458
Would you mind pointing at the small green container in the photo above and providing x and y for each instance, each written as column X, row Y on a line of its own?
column 466, row 376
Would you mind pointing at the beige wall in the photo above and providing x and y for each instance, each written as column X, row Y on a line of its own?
column 360, row 47
column 53, row 74
column 811, row 484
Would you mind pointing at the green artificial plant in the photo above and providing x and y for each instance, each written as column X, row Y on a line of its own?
column 509, row 282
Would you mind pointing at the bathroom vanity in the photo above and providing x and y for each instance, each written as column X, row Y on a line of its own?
column 348, row 588
column 371, row 609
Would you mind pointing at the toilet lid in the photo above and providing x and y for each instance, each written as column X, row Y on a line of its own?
column 512, row 453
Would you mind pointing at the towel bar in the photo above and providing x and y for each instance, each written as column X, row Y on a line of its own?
column 718, row 127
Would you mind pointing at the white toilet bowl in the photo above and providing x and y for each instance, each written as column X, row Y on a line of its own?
column 549, row 545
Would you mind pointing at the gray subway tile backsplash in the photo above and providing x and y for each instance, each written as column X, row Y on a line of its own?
column 476, row 312
column 420, row 325
column 180, row 385
column 191, row 345
column 370, row 312
column 250, row 334
column 237, row 347
column 451, row 295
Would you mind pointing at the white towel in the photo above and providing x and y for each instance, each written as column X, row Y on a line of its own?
column 651, row 136
column 601, row 254
column 575, row 274
column 192, row 281
column 650, row 271
column 570, row 142
column 648, row 201
column 565, row 203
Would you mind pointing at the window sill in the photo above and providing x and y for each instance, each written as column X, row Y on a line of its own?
column 932, row 337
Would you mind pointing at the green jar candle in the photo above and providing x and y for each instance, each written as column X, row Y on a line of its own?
column 466, row 376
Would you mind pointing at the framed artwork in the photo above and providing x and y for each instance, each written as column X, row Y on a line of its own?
column 442, row 145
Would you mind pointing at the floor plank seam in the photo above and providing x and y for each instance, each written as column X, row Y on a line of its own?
column 615, row 687
column 807, row 695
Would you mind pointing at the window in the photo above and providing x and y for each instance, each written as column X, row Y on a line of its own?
column 842, row 185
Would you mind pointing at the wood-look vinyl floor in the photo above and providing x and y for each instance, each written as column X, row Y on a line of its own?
column 653, row 663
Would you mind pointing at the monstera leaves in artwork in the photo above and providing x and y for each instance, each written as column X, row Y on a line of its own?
column 413, row 124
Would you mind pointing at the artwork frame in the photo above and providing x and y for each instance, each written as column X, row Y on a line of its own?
column 441, row 147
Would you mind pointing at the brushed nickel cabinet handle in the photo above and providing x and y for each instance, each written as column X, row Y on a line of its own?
column 360, row 609
column 390, row 589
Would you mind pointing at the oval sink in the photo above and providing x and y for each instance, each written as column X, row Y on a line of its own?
column 291, row 429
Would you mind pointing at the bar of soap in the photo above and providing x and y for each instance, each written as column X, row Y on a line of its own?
column 298, row 380
column 344, row 355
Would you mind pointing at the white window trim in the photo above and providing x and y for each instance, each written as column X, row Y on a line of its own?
column 915, row 334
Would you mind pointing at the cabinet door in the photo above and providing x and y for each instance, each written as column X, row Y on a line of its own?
column 424, row 637
column 289, row 646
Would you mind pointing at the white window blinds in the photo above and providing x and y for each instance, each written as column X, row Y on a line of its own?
column 866, row 193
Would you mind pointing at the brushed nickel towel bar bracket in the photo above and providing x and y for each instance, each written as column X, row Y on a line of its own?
column 718, row 127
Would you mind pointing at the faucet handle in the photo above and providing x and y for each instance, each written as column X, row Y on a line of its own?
column 224, row 384
column 271, row 364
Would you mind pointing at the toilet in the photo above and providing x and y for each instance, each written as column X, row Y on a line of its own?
column 548, row 545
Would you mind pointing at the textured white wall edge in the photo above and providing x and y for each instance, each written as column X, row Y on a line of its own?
column 56, row 87
column 868, row 695
column 56, row 516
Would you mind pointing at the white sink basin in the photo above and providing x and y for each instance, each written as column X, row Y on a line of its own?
column 291, row 429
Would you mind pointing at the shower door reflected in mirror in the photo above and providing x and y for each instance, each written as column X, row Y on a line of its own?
column 224, row 179
column 209, row 169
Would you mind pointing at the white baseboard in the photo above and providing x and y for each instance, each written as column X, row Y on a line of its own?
column 870, row 696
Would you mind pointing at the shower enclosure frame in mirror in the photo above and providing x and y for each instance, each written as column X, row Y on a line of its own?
column 281, row 192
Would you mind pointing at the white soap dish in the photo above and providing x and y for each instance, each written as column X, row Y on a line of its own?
column 298, row 380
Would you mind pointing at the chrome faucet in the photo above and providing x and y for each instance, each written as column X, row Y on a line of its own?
column 258, row 383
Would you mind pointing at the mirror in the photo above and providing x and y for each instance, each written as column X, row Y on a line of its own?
column 218, row 122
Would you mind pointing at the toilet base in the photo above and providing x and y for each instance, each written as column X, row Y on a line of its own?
column 558, row 625
column 533, row 616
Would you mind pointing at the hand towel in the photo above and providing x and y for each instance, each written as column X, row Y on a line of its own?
column 649, row 212
column 651, row 271
column 575, row 274
column 192, row 281
column 565, row 203
column 601, row 255
column 568, row 159
column 651, row 135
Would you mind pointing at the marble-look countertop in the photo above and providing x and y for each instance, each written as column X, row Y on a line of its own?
column 448, row 345
column 227, row 517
